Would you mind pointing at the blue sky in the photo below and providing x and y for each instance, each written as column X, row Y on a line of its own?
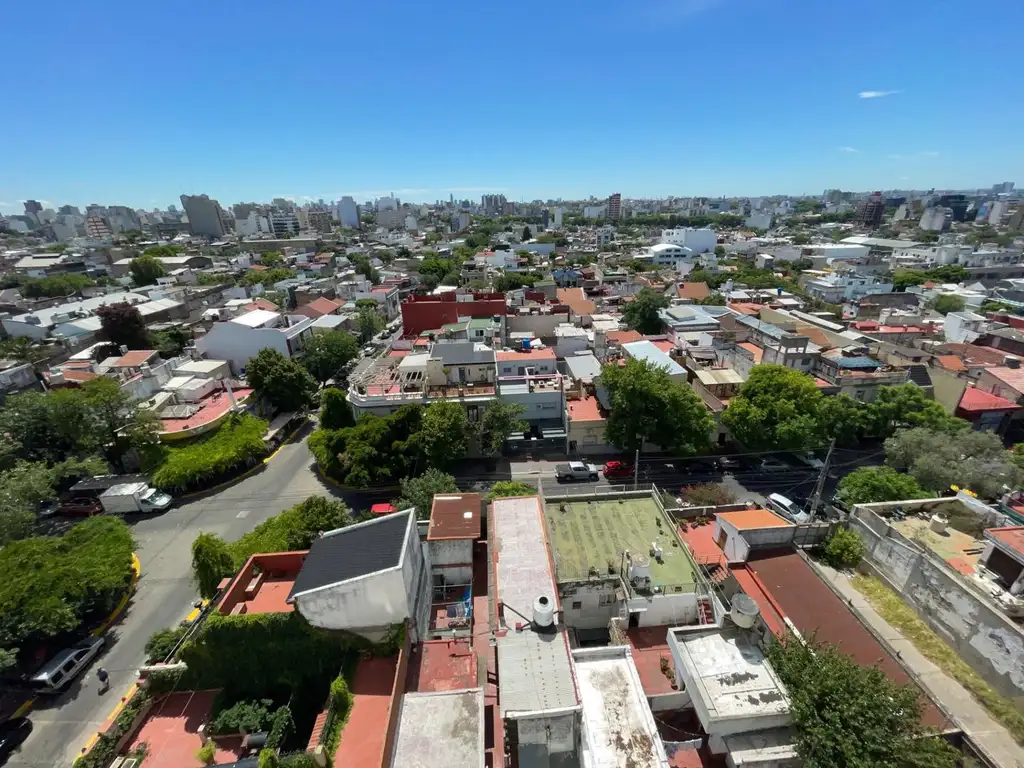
column 136, row 103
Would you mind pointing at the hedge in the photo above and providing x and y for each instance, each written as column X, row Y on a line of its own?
column 238, row 442
column 104, row 750
column 56, row 585
column 293, row 529
column 252, row 716
column 339, row 704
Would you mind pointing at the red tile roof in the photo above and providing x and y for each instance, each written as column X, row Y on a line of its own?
column 319, row 307
column 974, row 399
column 951, row 363
column 694, row 291
column 584, row 409
column 745, row 308
column 135, row 358
column 547, row 353
column 262, row 303
column 1012, row 537
column 576, row 300
column 455, row 516
column 975, row 354
column 623, row 337
column 756, row 351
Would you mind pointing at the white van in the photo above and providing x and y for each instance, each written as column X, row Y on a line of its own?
column 788, row 509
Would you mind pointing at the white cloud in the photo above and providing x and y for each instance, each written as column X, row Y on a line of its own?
column 876, row 94
column 848, row 149
column 928, row 154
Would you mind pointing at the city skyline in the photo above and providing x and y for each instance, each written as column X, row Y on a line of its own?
column 785, row 101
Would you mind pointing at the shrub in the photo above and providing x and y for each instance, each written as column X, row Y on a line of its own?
column 211, row 562
column 504, row 488
column 162, row 642
column 250, row 716
column 282, row 726
column 54, row 585
column 295, row 528
column 237, row 442
column 268, row 759
column 843, row 549
column 104, row 748
column 207, row 753
column 707, row 495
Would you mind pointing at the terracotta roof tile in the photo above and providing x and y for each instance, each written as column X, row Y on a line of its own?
column 693, row 291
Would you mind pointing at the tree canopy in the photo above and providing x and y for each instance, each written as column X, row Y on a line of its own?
column 368, row 323
column 335, row 412
column 54, row 585
column 444, row 433
column 498, row 421
column 937, row 460
column 642, row 312
column 285, row 384
column 419, row 491
column 867, row 485
column 648, row 406
column 325, row 354
column 145, row 269
column 947, row 303
column 852, row 716
column 776, row 408
column 122, row 324
column 506, row 488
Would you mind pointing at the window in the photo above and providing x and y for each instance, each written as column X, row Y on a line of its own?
column 577, row 605
column 805, row 361
column 607, row 600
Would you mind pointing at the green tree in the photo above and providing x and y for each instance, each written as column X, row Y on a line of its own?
column 642, row 312
column 162, row 642
column 325, row 354
column 844, row 549
column 800, row 238
column 163, row 251
column 335, row 412
column 281, row 381
column 648, row 406
column 498, row 421
column 419, row 491
column 119, row 422
column 776, row 408
column 868, row 485
column 54, row 286
column 904, row 278
column 146, row 269
column 969, row 459
column 272, row 259
column 909, row 406
column 122, row 324
column 368, row 323
column 719, row 250
column 267, row 277
column 445, row 433
column 844, row 419
column 853, row 716
column 947, row 303
column 22, row 489
column 527, row 234
column 505, row 488
column 211, row 563
column 172, row 342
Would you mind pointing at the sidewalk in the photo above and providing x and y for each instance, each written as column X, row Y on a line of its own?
column 971, row 717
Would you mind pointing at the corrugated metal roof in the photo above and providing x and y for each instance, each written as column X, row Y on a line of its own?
column 536, row 672
column 648, row 352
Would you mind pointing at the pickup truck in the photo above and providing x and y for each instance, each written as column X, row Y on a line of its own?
column 576, row 470
column 133, row 497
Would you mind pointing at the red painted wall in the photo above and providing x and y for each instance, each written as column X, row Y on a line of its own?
column 429, row 313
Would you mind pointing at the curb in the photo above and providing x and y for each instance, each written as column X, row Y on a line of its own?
column 109, row 719
column 188, row 497
column 25, row 708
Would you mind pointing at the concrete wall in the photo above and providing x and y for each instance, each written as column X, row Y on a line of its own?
column 983, row 636
column 538, row 405
column 541, row 326
column 597, row 603
column 670, row 609
column 453, row 559
column 372, row 603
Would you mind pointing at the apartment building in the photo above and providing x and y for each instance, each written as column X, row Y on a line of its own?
column 697, row 240
column 241, row 338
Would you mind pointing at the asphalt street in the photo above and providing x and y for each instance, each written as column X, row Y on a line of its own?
column 165, row 592
column 165, row 595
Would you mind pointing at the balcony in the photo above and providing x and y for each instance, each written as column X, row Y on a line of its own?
column 385, row 384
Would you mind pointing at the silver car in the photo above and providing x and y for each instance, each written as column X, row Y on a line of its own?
column 66, row 665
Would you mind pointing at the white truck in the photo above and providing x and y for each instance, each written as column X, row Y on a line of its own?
column 576, row 470
column 128, row 498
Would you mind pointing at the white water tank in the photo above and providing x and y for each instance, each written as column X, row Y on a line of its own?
column 938, row 524
column 543, row 611
column 744, row 610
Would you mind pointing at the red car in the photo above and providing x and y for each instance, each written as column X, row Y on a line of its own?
column 618, row 469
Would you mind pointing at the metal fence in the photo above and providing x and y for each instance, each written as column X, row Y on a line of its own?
column 569, row 491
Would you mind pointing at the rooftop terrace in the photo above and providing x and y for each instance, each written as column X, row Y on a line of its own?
column 589, row 536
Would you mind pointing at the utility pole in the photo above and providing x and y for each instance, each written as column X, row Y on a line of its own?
column 636, row 469
column 820, row 485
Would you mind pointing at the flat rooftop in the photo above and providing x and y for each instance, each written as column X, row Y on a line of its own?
column 441, row 730
column 620, row 729
column 726, row 670
column 960, row 550
column 592, row 534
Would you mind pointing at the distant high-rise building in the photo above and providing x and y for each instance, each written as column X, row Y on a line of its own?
column 284, row 205
column 69, row 210
column 284, row 222
column 998, row 189
column 614, row 206
column 493, row 203
column 557, row 217
column 934, row 219
column 957, row 204
column 348, row 213
column 242, row 210
column 205, row 216
column 387, row 204
column 33, row 207
column 97, row 226
column 870, row 212
column 320, row 221
column 389, row 218
column 1016, row 222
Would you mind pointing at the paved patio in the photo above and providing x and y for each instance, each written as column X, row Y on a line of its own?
column 172, row 732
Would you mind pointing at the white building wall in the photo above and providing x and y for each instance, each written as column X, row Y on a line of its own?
column 511, row 367
column 372, row 602
column 697, row 240
column 589, row 605
column 670, row 609
column 541, row 326
column 237, row 343
column 538, row 406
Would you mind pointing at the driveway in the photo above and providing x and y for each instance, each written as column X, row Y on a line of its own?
column 164, row 597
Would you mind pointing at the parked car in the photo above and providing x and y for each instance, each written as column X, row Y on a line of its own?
column 736, row 463
column 771, row 464
column 55, row 674
column 79, row 506
column 576, row 470
column 787, row 508
column 12, row 734
column 134, row 497
column 706, row 465
column 619, row 470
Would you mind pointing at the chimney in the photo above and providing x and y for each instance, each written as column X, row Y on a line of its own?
column 1011, row 361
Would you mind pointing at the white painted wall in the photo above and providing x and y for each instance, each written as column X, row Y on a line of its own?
column 589, row 606
column 237, row 343
column 671, row 609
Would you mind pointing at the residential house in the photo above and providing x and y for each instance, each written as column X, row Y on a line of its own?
column 241, row 338
column 319, row 307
